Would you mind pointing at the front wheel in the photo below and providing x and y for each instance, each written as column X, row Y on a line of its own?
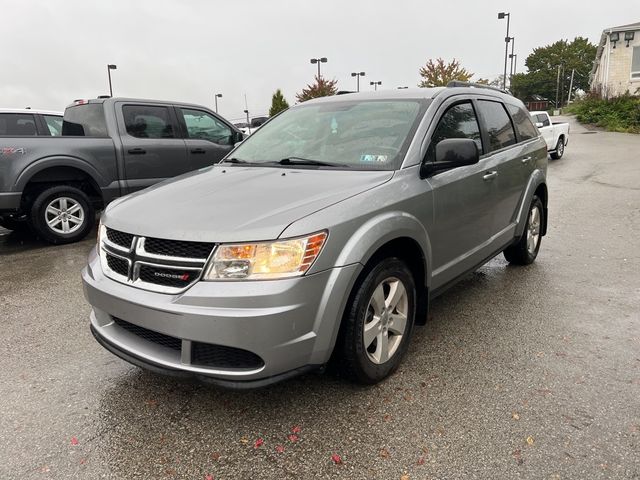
column 378, row 322
column 525, row 250
column 557, row 154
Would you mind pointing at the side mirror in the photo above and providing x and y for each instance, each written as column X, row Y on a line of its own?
column 539, row 124
column 238, row 137
column 452, row 153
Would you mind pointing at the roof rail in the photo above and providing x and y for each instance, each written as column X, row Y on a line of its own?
column 458, row 83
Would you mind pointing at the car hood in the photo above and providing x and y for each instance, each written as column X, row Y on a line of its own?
column 235, row 204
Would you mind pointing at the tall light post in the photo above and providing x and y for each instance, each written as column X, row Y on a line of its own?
column 110, row 67
column 216, row 97
column 502, row 15
column 319, row 61
column 375, row 84
column 513, row 46
column 358, row 75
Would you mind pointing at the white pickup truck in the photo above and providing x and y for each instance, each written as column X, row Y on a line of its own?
column 556, row 134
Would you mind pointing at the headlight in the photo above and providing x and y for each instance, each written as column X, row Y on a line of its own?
column 269, row 260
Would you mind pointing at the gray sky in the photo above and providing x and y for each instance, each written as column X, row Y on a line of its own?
column 56, row 51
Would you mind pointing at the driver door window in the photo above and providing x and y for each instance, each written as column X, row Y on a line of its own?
column 201, row 125
column 459, row 121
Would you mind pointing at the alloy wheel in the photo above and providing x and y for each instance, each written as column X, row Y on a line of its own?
column 64, row 215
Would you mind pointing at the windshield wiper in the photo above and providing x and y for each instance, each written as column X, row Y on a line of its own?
column 234, row 160
column 308, row 161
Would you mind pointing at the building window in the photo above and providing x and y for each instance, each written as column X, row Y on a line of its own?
column 635, row 64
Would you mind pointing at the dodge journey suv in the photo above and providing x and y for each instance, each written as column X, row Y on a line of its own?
column 324, row 235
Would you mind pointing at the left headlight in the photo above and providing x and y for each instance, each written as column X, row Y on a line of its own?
column 268, row 260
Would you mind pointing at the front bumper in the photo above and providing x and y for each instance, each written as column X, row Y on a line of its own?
column 290, row 324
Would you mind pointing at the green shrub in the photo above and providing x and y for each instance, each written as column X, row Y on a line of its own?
column 620, row 114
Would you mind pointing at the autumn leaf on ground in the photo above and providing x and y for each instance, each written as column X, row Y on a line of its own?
column 152, row 403
column 215, row 456
column 208, row 476
column 384, row 453
column 530, row 440
column 258, row 443
column 279, row 449
column 517, row 454
column 515, row 416
column 296, row 429
column 244, row 440
column 405, row 476
column 337, row 459
column 74, row 441
column 387, row 418
column 293, row 437
column 420, row 461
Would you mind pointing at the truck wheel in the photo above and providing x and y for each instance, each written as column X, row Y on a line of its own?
column 559, row 149
column 525, row 250
column 378, row 323
column 62, row 214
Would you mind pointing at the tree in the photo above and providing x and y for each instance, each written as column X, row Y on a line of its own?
column 496, row 82
column 543, row 63
column 438, row 73
column 321, row 88
column 278, row 103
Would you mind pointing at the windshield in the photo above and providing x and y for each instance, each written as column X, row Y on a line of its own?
column 366, row 135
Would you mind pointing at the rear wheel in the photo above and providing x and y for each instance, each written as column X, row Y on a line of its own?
column 559, row 149
column 378, row 322
column 62, row 214
column 525, row 251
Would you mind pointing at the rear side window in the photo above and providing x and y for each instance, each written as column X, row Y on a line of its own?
column 526, row 130
column 54, row 124
column 498, row 125
column 148, row 121
column 17, row 124
column 459, row 121
column 84, row 121
column 543, row 119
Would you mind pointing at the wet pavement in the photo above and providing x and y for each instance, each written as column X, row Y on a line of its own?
column 521, row 372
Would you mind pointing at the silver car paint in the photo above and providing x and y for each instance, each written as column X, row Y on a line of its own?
column 457, row 218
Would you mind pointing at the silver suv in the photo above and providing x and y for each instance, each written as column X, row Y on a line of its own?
column 324, row 235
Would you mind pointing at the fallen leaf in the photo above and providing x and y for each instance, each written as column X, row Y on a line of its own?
column 279, row 449
column 152, row 403
column 517, row 454
column 208, row 476
column 420, row 461
column 515, row 416
column 45, row 469
column 258, row 443
column 423, row 384
column 384, row 453
column 293, row 437
column 530, row 440
column 215, row 456
column 387, row 418
column 337, row 459
column 405, row 476
column 244, row 440
column 296, row 429
column 74, row 441
column 425, row 450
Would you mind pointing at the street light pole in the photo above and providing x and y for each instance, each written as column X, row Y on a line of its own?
column 501, row 15
column 358, row 75
column 109, row 68
column 375, row 85
column 513, row 43
column 319, row 61
column 216, row 97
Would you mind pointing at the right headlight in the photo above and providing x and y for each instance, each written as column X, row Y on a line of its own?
column 265, row 260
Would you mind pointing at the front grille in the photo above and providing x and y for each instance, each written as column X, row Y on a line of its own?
column 167, row 277
column 120, row 238
column 219, row 356
column 178, row 248
column 118, row 265
column 149, row 335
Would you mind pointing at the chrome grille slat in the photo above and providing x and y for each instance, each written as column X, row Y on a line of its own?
column 164, row 273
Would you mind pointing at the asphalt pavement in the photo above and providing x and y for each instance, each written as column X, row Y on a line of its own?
column 527, row 372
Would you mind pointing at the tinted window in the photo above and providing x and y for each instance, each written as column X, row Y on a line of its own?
column 498, row 125
column 543, row 119
column 148, row 121
column 54, row 124
column 458, row 122
column 85, row 121
column 17, row 124
column 526, row 130
column 206, row 127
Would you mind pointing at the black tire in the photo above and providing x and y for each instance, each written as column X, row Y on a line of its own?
column 38, row 217
column 519, row 253
column 559, row 151
column 353, row 357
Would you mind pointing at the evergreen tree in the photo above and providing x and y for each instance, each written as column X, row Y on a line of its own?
column 278, row 103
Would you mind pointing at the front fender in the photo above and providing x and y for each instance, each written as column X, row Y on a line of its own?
column 58, row 161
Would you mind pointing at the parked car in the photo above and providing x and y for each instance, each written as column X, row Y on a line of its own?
column 17, row 122
column 555, row 134
column 108, row 148
column 327, row 232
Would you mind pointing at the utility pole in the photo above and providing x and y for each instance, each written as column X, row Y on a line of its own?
column 502, row 15
column 573, row 71
column 558, row 87
column 513, row 46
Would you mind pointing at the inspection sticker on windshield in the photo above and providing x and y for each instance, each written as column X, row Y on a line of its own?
column 373, row 158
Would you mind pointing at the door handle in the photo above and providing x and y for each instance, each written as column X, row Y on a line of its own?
column 526, row 160
column 198, row 150
column 490, row 175
column 137, row 151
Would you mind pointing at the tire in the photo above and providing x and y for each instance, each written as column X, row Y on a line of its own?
column 361, row 358
column 13, row 224
column 78, row 215
column 526, row 249
column 559, row 151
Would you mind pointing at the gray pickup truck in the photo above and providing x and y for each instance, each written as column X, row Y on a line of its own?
column 108, row 148
column 323, row 235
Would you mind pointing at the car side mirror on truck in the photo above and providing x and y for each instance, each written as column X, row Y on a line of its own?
column 238, row 138
column 452, row 153
column 539, row 124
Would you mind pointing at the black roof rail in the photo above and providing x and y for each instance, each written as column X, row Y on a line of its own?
column 458, row 83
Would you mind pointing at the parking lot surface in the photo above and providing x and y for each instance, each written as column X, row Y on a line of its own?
column 527, row 372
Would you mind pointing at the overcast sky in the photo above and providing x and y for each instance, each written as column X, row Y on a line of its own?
column 56, row 51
